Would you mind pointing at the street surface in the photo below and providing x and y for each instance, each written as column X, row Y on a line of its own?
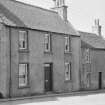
column 92, row 99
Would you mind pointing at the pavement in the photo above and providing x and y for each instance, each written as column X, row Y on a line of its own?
column 75, row 98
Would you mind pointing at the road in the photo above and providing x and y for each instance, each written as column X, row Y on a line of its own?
column 93, row 99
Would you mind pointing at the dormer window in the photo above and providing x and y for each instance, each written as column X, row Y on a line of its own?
column 23, row 43
column 47, row 42
column 67, row 44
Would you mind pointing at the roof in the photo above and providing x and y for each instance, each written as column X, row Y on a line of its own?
column 24, row 15
column 93, row 40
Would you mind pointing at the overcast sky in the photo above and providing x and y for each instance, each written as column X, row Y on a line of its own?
column 81, row 13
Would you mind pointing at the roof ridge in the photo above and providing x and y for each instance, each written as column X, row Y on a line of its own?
column 34, row 6
column 86, row 32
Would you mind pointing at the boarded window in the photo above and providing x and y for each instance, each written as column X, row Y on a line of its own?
column 23, row 75
column 67, row 71
column 23, row 43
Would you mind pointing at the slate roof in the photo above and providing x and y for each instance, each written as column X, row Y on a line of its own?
column 24, row 15
column 92, row 40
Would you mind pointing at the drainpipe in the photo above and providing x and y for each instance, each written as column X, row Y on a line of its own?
column 10, row 63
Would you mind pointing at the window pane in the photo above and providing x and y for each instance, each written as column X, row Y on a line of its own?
column 21, row 82
column 21, row 69
column 22, row 35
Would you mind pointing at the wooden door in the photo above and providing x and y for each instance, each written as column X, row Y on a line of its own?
column 48, row 77
column 100, row 80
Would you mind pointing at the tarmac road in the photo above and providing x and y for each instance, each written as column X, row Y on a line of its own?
column 85, row 99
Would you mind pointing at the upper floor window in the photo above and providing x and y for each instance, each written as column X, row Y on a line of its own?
column 67, row 44
column 23, row 75
column 23, row 40
column 47, row 42
column 87, row 55
column 67, row 71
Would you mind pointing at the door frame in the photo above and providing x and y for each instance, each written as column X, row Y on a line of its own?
column 51, row 71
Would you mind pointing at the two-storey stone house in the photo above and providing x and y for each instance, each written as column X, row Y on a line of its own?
column 93, row 59
column 39, row 50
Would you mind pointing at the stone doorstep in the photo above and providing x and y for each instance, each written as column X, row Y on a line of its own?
column 77, row 93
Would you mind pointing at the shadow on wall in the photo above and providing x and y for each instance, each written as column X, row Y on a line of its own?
column 1, row 96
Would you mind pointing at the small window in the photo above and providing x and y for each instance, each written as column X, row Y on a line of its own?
column 47, row 42
column 67, row 44
column 23, row 43
column 23, row 75
column 87, row 55
column 67, row 71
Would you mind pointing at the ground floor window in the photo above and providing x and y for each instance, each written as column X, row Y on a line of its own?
column 67, row 71
column 88, row 78
column 23, row 74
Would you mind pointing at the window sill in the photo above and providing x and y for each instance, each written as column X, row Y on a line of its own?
column 23, row 87
column 23, row 51
column 67, row 81
column 48, row 52
column 67, row 52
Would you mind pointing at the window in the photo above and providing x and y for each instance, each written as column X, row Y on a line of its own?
column 23, row 75
column 87, row 55
column 47, row 42
column 67, row 44
column 23, row 39
column 67, row 71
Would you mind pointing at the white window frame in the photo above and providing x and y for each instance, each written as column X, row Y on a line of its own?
column 47, row 42
column 23, row 40
column 67, row 44
column 67, row 71
column 23, row 74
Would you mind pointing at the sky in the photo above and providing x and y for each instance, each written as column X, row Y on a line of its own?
column 81, row 13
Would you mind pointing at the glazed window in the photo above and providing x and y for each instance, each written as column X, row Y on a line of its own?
column 23, row 42
column 23, row 75
column 47, row 42
column 67, row 71
column 67, row 44
column 87, row 55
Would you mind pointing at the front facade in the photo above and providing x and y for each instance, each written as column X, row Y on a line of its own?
column 37, row 60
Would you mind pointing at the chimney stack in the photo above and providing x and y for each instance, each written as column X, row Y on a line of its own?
column 97, row 28
column 61, row 8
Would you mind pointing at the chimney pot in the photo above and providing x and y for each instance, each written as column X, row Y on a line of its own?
column 97, row 28
column 61, row 8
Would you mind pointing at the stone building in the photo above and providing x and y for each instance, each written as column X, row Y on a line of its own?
column 39, row 50
column 93, row 59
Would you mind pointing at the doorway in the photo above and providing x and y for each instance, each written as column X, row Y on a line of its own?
column 48, row 69
column 100, row 80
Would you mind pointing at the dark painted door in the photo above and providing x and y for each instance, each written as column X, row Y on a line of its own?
column 100, row 80
column 48, row 77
